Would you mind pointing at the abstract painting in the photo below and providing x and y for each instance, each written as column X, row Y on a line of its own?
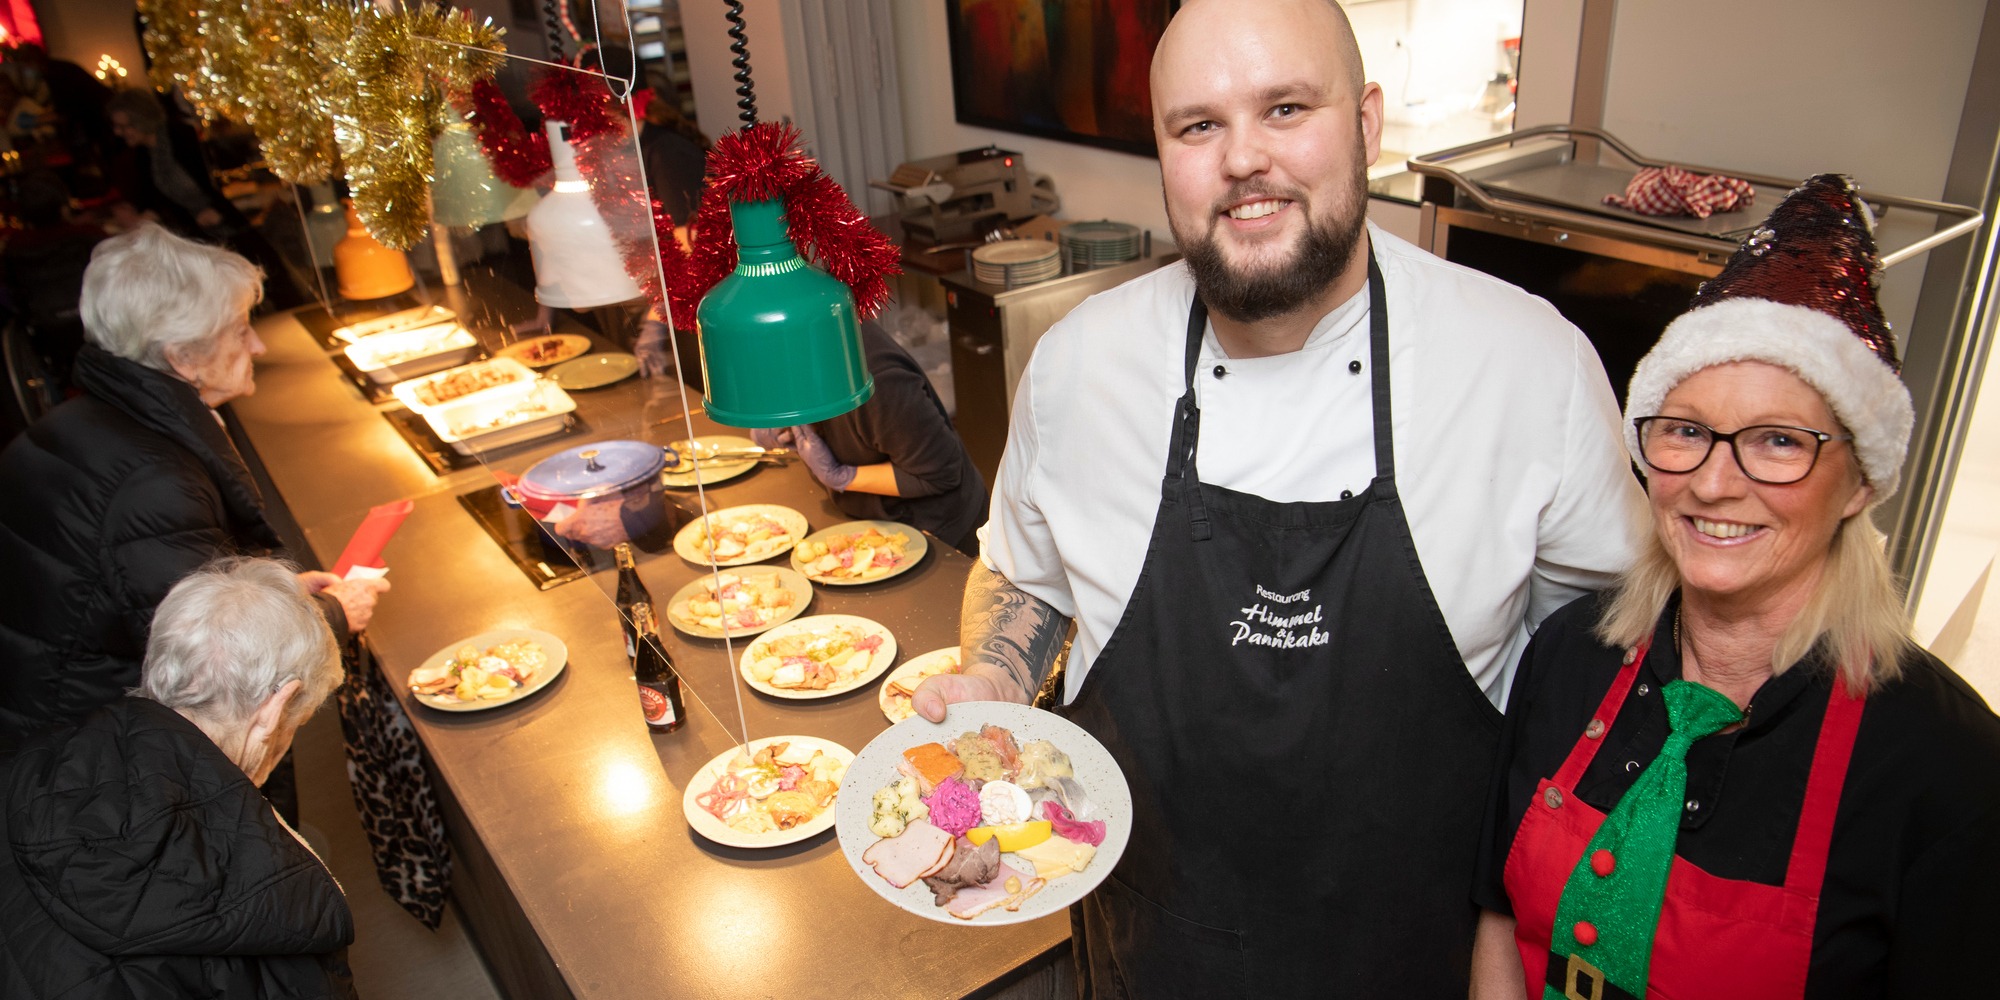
column 1074, row 70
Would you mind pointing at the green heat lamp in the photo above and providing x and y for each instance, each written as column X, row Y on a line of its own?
column 780, row 342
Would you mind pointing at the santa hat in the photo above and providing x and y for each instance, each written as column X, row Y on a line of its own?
column 1800, row 294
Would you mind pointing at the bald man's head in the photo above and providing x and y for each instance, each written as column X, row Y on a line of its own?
column 1197, row 20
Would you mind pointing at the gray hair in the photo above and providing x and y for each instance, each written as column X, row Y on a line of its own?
column 230, row 634
column 148, row 292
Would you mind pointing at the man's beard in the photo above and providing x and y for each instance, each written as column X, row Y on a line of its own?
column 1283, row 287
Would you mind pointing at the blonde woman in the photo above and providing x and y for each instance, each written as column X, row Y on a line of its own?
column 1735, row 775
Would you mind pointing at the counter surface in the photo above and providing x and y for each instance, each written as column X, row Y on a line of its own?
column 564, row 798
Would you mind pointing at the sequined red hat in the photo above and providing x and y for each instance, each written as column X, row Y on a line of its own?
column 1800, row 294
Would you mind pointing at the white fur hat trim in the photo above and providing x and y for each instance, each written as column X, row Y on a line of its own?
column 1868, row 398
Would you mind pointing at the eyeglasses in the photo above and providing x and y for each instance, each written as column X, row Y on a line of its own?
column 1770, row 454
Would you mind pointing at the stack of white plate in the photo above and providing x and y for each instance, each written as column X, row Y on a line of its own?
column 1089, row 245
column 1016, row 262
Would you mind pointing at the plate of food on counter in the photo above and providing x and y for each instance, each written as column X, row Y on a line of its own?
column 739, row 601
column 894, row 695
column 818, row 657
column 1000, row 814
column 489, row 670
column 768, row 792
column 859, row 552
column 700, row 449
column 737, row 536
column 541, row 352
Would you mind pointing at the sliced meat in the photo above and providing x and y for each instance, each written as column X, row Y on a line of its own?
column 968, row 866
column 904, row 858
column 975, row 900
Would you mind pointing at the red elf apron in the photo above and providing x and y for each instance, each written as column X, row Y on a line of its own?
column 1718, row 939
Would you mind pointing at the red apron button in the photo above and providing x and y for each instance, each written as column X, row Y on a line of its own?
column 1602, row 862
column 1594, row 730
column 1586, row 935
column 1553, row 797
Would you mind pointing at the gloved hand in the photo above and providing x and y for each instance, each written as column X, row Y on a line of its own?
column 655, row 358
column 772, row 437
column 819, row 458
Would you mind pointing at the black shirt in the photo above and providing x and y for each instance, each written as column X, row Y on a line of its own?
column 1912, row 892
column 904, row 424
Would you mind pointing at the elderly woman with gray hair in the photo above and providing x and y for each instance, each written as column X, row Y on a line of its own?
column 140, row 859
column 110, row 499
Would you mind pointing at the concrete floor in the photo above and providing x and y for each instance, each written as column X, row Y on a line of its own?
column 394, row 955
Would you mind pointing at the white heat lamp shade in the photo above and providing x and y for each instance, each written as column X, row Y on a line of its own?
column 465, row 192
column 576, row 264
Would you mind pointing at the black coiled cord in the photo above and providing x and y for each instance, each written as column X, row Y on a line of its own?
column 746, row 98
column 552, row 18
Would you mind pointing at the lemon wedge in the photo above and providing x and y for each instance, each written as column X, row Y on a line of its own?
column 1013, row 836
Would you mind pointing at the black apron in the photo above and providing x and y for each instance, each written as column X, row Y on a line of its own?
column 1308, row 756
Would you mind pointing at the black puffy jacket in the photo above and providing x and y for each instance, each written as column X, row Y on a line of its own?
column 105, row 503
column 140, row 863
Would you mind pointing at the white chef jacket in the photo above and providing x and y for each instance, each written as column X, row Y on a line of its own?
column 1509, row 458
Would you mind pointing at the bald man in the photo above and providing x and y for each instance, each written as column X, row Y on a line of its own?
column 1303, row 495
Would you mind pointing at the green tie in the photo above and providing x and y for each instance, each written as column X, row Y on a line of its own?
column 1610, row 907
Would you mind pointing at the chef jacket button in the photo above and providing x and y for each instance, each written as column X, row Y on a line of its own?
column 1602, row 862
column 1354, row 367
column 1594, row 730
column 1220, row 371
column 1554, row 797
column 1347, row 494
column 1694, row 805
column 1645, row 689
column 1586, row 935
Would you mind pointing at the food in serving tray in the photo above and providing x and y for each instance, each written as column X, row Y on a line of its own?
column 777, row 788
column 900, row 689
column 814, row 660
column 460, row 382
column 743, row 601
column 473, row 674
column 748, row 536
column 977, row 822
column 862, row 555
column 395, row 349
column 531, row 406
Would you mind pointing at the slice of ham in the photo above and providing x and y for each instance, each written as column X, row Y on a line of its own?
column 918, row 851
column 975, row 900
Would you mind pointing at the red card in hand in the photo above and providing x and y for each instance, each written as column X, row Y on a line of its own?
column 365, row 548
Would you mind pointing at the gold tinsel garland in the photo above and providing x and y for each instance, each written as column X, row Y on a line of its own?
column 320, row 79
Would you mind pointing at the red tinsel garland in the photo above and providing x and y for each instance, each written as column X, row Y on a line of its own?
column 518, row 156
column 765, row 162
column 581, row 100
column 610, row 163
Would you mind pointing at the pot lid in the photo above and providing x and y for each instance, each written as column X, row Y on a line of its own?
column 593, row 470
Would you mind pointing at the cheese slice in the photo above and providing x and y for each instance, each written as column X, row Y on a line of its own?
column 1057, row 856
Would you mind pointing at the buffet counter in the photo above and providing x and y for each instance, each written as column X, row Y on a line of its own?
column 574, row 867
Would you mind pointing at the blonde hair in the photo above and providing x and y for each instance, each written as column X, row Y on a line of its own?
column 1855, row 616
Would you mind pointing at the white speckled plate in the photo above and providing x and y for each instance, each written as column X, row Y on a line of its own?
column 554, row 648
column 791, row 580
column 915, row 545
column 875, row 767
column 688, row 547
column 878, row 660
column 705, row 823
column 895, row 704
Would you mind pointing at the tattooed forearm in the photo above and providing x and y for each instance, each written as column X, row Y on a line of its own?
column 1008, row 634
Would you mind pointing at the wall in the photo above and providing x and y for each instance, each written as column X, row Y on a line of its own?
column 82, row 30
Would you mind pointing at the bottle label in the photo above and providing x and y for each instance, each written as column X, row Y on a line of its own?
column 657, row 706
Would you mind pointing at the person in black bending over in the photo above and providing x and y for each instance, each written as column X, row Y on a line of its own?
column 139, row 860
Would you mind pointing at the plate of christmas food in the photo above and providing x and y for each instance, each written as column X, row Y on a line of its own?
column 489, row 670
column 901, row 684
column 541, row 352
column 768, row 792
column 818, row 657
column 1000, row 814
column 735, row 536
column 698, row 461
column 859, row 552
column 742, row 601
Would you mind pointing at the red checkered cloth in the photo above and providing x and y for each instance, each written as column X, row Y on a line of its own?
column 1673, row 191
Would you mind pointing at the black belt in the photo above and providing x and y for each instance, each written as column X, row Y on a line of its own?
column 1576, row 979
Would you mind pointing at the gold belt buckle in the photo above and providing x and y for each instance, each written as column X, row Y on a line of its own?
column 1578, row 968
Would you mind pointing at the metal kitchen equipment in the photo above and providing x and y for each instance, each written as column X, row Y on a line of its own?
column 962, row 196
column 1528, row 207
